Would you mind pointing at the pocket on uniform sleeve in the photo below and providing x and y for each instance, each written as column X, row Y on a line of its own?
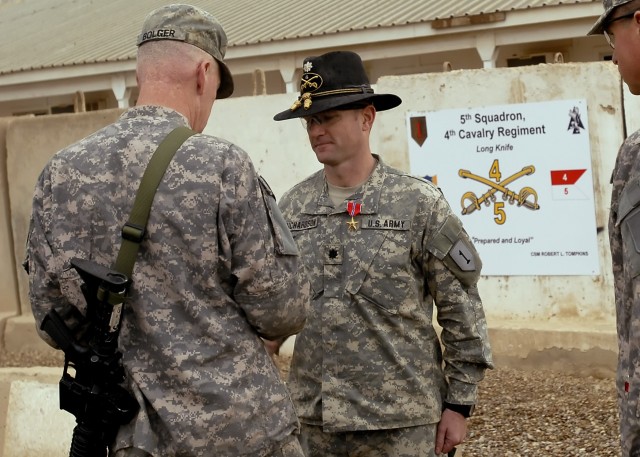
column 283, row 241
column 629, row 221
column 452, row 246
column 631, row 241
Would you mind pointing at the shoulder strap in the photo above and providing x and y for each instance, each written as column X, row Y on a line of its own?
column 134, row 230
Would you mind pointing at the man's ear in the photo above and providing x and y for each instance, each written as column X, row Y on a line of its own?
column 368, row 116
column 201, row 75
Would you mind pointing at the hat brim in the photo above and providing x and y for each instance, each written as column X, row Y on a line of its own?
column 226, row 81
column 598, row 28
column 381, row 102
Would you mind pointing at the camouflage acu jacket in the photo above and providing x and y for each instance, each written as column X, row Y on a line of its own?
column 624, row 238
column 216, row 271
column 369, row 357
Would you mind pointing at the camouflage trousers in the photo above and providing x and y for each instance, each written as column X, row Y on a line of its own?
column 630, row 439
column 401, row 442
column 630, row 421
column 291, row 449
column 131, row 452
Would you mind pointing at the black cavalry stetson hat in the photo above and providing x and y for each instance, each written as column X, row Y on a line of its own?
column 333, row 80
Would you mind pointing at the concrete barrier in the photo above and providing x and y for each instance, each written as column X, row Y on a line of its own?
column 31, row 422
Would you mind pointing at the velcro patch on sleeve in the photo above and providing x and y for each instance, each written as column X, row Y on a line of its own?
column 462, row 256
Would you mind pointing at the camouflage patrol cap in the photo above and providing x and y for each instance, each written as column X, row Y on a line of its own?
column 609, row 6
column 179, row 22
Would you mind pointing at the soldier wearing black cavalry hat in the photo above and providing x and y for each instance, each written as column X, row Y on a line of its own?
column 381, row 249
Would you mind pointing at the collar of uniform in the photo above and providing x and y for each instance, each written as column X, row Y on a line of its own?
column 369, row 195
column 154, row 112
column 318, row 202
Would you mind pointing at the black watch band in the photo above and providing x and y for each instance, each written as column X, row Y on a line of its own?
column 465, row 410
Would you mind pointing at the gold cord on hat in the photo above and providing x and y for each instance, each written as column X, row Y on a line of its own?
column 306, row 101
column 303, row 99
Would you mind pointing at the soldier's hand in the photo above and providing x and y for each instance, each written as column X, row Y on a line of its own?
column 452, row 431
column 273, row 346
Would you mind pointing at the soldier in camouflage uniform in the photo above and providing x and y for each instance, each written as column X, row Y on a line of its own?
column 620, row 23
column 216, row 272
column 368, row 375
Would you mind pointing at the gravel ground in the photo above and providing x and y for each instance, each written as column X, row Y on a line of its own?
column 546, row 414
column 50, row 358
column 520, row 412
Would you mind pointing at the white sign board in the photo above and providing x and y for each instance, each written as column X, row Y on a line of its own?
column 519, row 177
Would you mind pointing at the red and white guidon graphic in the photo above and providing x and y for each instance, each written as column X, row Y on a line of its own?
column 566, row 184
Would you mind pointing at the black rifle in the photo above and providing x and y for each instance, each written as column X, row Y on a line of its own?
column 94, row 395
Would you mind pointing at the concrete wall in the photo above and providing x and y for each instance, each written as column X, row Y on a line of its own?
column 541, row 300
column 30, row 142
column 554, row 322
column 10, row 302
column 533, row 314
column 530, row 316
column 580, row 305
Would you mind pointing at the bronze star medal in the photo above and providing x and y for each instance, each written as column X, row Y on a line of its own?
column 353, row 208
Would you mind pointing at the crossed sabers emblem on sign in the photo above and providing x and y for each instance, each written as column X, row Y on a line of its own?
column 507, row 194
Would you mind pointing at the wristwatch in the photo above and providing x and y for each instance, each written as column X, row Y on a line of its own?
column 465, row 410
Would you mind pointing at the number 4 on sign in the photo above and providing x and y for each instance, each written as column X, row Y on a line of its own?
column 565, row 184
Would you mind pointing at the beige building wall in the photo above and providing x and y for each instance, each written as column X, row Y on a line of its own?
column 30, row 142
column 9, row 303
column 530, row 317
column 558, row 301
column 570, row 313
column 555, row 322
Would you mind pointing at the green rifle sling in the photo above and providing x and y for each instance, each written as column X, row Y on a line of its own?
column 134, row 230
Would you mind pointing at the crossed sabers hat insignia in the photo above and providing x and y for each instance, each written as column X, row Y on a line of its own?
column 507, row 194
